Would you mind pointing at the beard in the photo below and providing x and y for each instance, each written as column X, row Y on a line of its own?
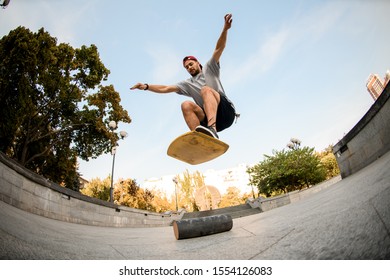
column 195, row 73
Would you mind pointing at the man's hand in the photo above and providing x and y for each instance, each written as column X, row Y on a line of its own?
column 139, row 86
column 228, row 21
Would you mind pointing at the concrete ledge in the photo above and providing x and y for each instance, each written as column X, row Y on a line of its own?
column 368, row 140
column 30, row 192
column 281, row 200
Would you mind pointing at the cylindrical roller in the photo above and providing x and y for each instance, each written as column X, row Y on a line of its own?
column 196, row 227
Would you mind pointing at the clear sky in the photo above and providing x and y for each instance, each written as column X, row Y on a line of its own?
column 292, row 68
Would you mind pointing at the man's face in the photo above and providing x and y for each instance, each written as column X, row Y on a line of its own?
column 192, row 67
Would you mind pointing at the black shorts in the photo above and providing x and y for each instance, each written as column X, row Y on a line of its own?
column 225, row 114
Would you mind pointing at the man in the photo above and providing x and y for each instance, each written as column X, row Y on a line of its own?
column 212, row 111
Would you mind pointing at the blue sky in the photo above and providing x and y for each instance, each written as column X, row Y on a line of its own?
column 292, row 68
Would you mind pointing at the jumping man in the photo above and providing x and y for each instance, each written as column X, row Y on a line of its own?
column 211, row 110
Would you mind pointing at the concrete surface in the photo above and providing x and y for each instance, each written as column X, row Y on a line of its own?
column 348, row 220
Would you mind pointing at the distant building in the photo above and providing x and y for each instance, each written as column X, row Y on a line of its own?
column 231, row 177
column 375, row 84
column 387, row 77
column 221, row 179
column 165, row 184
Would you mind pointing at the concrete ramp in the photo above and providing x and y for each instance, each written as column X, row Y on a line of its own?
column 348, row 220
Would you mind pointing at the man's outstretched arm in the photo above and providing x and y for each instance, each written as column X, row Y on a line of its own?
column 221, row 43
column 155, row 88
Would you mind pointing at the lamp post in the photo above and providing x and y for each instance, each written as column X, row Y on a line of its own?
column 112, row 125
column 175, row 181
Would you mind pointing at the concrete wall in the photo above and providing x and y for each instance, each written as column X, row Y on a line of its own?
column 30, row 192
column 368, row 140
column 266, row 204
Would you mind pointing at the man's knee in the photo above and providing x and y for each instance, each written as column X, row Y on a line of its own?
column 206, row 90
column 187, row 106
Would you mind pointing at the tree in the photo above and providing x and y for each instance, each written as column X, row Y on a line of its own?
column 188, row 184
column 161, row 203
column 54, row 107
column 286, row 171
column 98, row 188
column 232, row 197
column 328, row 160
column 129, row 193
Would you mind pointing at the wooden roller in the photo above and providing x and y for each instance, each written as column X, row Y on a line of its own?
column 196, row 227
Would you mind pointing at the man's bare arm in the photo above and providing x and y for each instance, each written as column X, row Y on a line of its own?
column 155, row 88
column 221, row 43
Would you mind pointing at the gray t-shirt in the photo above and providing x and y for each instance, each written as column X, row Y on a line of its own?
column 208, row 76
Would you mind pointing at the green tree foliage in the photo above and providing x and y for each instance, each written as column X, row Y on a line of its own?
column 54, row 107
column 286, row 171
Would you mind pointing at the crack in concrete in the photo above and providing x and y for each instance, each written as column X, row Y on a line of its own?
column 272, row 245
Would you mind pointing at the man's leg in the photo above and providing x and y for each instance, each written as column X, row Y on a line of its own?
column 192, row 114
column 211, row 100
